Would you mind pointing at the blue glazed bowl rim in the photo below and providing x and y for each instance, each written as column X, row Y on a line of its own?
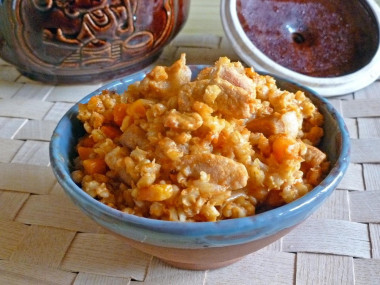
column 225, row 227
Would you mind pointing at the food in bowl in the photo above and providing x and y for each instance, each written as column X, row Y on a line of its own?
column 228, row 144
column 201, row 245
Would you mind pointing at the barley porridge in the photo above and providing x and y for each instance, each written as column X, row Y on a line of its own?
column 228, row 144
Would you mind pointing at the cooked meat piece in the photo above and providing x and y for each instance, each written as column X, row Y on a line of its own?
column 222, row 170
column 134, row 136
column 314, row 157
column 236, row 77
column 189, row 93
column 275, row 124
column 268, row 125
column 233, row 101
column 115, row 161
column 234, row 93
column 163, row 82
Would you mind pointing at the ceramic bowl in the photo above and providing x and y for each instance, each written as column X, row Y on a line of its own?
column 331, row 47
column 203, row 245
column 85, row 41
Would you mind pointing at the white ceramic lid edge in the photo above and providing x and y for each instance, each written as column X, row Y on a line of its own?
column 322, row 85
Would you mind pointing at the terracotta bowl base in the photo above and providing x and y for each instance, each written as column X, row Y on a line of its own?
column 204, row 258
column 201, row 266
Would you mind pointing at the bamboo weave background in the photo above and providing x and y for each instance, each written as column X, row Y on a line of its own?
column 45, row 239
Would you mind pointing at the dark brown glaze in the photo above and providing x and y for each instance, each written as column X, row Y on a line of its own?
column 73, row 41
column 320, row 38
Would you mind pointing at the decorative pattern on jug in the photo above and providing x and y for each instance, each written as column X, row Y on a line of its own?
column 76, row 34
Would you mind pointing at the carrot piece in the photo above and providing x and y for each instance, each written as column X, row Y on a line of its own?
column 111, row 131
column 94, row 165
column 119, row 112
column 137, row 109
column 284, row 148
column 108, row 116
column 87, row 141
column 155, row 192
column 85, row 152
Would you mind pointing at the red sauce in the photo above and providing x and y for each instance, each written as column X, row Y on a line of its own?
column 324, row 38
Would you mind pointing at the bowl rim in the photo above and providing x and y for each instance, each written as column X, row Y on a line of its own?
column 235, row 226
column 325, row 86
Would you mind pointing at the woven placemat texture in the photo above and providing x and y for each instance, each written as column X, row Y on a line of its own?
column 45, row 239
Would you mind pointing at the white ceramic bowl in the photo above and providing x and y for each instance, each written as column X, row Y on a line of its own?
column 325, row 86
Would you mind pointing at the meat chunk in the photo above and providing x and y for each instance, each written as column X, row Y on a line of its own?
column 235, row 75
column 276, row 124
column 115, row 161
column 233, row 101
column 233, row 92
column 314, row 157
column 222, row 170
column 163, row 82
column 134, row 136
column 189, row 93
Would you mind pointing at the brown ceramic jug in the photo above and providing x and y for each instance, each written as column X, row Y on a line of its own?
column 78, row 41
